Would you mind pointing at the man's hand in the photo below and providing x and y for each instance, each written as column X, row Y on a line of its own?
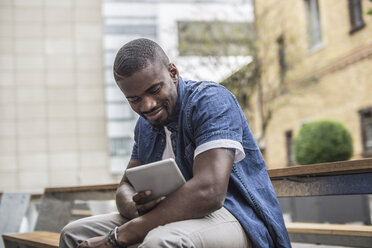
column 96, row 242
column 142, row 205
column 124, row 196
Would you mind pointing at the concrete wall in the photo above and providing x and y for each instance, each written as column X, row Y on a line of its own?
column 340, row 68
column 52, row 108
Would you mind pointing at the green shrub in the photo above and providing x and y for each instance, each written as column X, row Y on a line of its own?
column 323, row 141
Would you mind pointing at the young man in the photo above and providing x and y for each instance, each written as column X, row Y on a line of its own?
column 228, row 199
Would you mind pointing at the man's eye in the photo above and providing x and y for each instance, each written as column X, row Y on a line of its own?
column 156, row 90
column 134, row 100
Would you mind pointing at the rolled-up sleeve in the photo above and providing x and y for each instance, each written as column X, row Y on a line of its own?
column 216, row 121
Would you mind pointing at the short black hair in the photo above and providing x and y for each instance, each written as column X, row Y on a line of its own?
column 137, row 55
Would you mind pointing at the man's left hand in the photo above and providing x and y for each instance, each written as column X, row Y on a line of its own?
column 96, row 242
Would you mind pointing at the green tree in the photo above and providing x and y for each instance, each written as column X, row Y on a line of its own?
column 323, row 141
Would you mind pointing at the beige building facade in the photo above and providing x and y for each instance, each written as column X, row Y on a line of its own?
column 52, row 104
column 318, row 55
column 63, row 120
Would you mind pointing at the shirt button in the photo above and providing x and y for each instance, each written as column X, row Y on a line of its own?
column 162, row 140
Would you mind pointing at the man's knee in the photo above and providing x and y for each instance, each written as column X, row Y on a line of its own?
column 165, row 237
column 68, row 233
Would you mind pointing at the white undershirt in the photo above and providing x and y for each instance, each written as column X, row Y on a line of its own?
column 168, row 151
column 221, row 143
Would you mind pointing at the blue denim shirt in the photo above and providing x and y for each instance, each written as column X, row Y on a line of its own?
column 206, row 111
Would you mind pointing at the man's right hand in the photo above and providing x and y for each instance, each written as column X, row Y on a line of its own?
column 142, row 205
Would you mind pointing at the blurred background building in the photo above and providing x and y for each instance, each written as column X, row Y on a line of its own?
column 52, row 111
column 63, row 121
column 312, row 61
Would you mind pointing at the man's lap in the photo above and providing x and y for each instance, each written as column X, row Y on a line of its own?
column 218, row 229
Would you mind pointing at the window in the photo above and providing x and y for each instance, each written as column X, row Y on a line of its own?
column 282, row 59
column 121, row 146
column 355, row 13
column 366, row 130
column 314, row 33
column 289, row 144
column 214, row 38
column 120, row 28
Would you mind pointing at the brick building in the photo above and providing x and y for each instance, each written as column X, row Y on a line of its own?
column 316, row 58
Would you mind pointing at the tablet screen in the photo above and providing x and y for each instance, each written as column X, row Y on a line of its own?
column 161, row 177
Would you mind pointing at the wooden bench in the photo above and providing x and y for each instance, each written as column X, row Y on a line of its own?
column 57, row 210
column 57, row 204
column 339, row 178
column 41, row 239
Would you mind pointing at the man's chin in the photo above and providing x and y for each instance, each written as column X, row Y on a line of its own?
column 158, row 123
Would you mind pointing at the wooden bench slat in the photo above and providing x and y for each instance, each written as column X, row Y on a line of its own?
column 83, row 188
column 330, row 229
column 81, row 212
column 334, row 168
column 39, row 239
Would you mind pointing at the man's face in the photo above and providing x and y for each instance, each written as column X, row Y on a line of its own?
column 152, row 92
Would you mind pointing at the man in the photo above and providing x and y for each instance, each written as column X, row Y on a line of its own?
column 228, row 199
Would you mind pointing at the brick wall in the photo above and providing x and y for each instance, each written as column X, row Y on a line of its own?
column 332, row 81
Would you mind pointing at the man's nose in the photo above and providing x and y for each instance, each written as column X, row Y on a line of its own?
column 148, row 103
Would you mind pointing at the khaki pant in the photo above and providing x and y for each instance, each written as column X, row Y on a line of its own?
column 218, row 229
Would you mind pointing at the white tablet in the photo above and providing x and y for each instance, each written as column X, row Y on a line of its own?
column 161, row 177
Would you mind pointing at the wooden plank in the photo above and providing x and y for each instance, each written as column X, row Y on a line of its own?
column 334, row 240
column 334, row 168
column 330, row 229
column 351, row 184
column 81, row 212
column 39, row 239
column 83, row 188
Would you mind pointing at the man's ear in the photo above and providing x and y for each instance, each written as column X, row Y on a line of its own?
column 173, row 71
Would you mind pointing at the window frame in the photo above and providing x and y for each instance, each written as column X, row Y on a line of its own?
column 282, row 58
column 313, row 23
column 291, row 160
column 365, row 119
column 355, row 11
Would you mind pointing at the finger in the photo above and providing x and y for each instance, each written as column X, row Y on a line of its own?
column 82, row 245
column 142, row 208
column 140, row 197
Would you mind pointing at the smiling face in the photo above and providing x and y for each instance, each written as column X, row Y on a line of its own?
column 152, row 92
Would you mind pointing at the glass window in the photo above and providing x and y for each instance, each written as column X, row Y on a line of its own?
column 116, row 129
column 355, row 13
column 214, row 38
column 121, row 146
column 119, row 111
column 289, row 144
column 313, row 24
column 109, row 77
column 114, row 94
column 282, row 59
column 366, row 130
column 121, row 26
column 369, row 134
